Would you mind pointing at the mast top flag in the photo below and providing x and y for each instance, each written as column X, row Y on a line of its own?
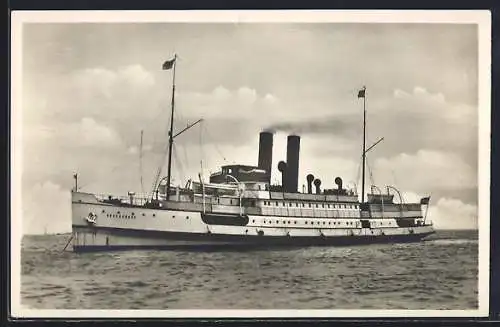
column 169, row 63
column 361, row 93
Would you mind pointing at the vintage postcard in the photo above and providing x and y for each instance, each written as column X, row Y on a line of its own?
column 250, row 164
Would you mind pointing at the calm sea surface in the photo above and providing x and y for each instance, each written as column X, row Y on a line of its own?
column 440, row 273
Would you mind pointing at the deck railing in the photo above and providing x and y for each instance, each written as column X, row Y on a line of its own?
column 125, row 200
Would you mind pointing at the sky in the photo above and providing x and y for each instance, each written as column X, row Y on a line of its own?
column 88, row 89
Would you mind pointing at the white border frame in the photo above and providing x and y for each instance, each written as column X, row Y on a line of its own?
column 480, row 17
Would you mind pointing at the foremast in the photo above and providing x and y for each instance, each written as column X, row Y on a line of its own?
column 171, row 64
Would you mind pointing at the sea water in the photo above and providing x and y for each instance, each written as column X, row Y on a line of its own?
column 439, row 273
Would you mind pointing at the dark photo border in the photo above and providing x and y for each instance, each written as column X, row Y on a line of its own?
column 36, row 5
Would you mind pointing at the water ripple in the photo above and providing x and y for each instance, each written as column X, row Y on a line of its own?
column 439, row 273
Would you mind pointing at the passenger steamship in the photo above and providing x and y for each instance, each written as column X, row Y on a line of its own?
column 239, row 207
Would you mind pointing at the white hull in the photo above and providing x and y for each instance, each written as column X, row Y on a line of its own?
column 120, row 227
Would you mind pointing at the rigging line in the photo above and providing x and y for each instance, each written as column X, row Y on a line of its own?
column 163, row 158
column 214, row 144
column 178, row 160
column 157, row 118
column 393, row 177
column 182, row 175
column 140, row 162
column 186, row 157
column 202, row 155
column 358, row 176
column 370, row 175
column 370, row 171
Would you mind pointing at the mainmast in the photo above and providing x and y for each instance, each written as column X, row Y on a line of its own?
column 361, row 94
column 170, row 64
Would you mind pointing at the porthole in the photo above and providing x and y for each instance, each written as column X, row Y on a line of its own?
column 143, row 214
column 324, row 223
column 187, row 217
column 253, row 220
column 277, row 221
column 103, row 211
column 329, row 223
column 316, row 205
column 295, row 222
column 154, row 215
column 322, row 206
column 309, row 205
column 173, row 216
column 306, row 222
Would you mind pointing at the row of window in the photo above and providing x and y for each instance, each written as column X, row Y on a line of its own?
column 347, row 223
column 109, row 215
column 124, row 216
column 132, row 216
column 310, row 205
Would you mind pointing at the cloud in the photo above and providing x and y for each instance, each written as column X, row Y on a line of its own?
column 89, row 133
column 449, row 213
column 85, row 133
column 435, row 104
column 133, row 150
column 413, row 120
column 107, row 82
column 426, row 170
column 446, row 212
column 46, row 206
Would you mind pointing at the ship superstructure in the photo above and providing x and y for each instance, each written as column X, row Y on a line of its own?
column 239, row 206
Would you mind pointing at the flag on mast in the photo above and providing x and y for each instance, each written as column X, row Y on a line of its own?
column 361, row 93
column 169, row 64
column 425, row 200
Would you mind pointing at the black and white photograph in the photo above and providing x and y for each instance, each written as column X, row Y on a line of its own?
column 250, row 164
